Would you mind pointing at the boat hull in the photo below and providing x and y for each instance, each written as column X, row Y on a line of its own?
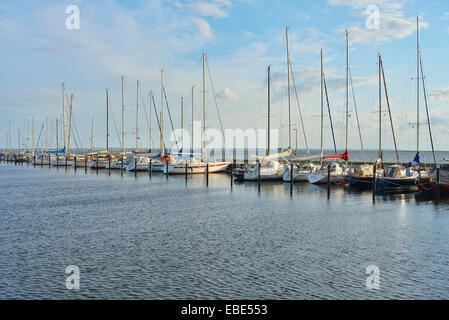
column 399, row 184
column 195, row 168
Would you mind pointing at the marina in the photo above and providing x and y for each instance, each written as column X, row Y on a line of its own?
column 224, row 154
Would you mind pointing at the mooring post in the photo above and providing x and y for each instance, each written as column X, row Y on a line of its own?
column 374, row 180
column 121, row 166
column 65, row 161
column 135, row 166
column 328, row 180
column 49, row 162
column 75, row 162
column 186, row 172
column 438, row 183
column 166, row 168
column 207, row 174
column 96, row 163
column 85, row 164
column 150, row 170
column 258, row 177
column 291, row 178
column 57, row 161
column 232, row 173
column 34, row 160
column 109, row 164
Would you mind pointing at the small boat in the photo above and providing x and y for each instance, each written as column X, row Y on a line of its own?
column 397, row 178
column 361, row 176
column 428, row 184
column 300, row 174
column 270, row 170
column 337, row 175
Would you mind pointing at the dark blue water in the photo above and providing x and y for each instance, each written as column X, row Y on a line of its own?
column 161, row 239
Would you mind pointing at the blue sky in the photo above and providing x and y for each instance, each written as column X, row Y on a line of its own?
column 241, row 38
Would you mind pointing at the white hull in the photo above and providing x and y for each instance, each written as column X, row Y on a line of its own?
column 266, row 174
column 101, row 164
column 297, row 176
column 196, row 168
column 321, row 178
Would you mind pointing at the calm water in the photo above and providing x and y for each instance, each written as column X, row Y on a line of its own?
column 160, row 239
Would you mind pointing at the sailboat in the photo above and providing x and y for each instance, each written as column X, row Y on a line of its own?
column 196, row 166
column 337, row 174
column 269, row 167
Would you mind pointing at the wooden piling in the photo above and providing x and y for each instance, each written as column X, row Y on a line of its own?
column 291, row 178
column 121, row 167
column 258, row 176
column 75, row 162
column 85, row 164
column 150, row 170
column 96, row 163
column 207, row 174
column 374, row 180
column 438, row 184
column 186, row 173
column 328, row 180
column 135, row 166
column 232, row 173
column 110, row 160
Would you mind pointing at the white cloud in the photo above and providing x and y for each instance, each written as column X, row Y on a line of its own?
column 228, row 95
column 441, row 94
column 392, row 26
column 392, row 23
column 214, row 9
column 203, row 27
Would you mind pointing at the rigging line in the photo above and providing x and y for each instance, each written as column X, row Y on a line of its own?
column 158, row 123
column 216, row 104
column 299, row 110
column 389, row 110
column 169, row 115
column 356, row 112
column 329, row 110
column 40, row 132
column 75, row 130
column 146, row 114
column 116, row 128
column 427, row 110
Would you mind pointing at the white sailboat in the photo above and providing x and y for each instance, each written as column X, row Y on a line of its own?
column 197, row 166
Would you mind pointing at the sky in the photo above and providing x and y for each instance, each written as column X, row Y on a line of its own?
column 137, row 39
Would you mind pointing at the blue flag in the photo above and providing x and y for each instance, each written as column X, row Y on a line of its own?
column 415, row 161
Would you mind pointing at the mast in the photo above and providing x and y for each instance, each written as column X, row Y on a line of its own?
column 70, row 124
column 123, row 116
column 150, row 126
column 63, row 116
column 107, row 120
column 289, row 94
column 380, row 108
column 162, row 114
column 32, row 124
column 92, row 136
column 322, row 106
column 389, row 111
column 182, row 123
column 347, row 87
column 137, row 118
column 269, row 107
column 192, row 148
column 417, row 84
column 204, row 104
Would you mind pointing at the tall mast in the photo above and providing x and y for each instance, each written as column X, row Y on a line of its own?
column 289, row 94
column 137, row 118
column 389, row 110
column 162, row 113
column 123, row 115
column 57, row 138
column 269, row 107
column 32, row 124
column 322, row 105
column 63, row 116
column 380, row 109
column 151, row 118
column 182, row 123
column 70, row 124
column 191, row 147
column 204, row 104
column 417, row 84
column 107, row 120
column 347, row 87
column 92, row 136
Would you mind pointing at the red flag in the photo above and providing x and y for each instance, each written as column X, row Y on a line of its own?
column 296, row 153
